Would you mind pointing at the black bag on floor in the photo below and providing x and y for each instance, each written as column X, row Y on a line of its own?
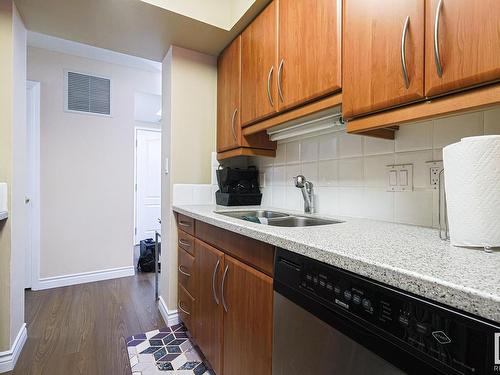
column 146, row 261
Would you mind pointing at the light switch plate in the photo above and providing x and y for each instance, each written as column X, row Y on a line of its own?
column 400, row 177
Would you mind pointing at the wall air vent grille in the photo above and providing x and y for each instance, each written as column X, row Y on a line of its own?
column 88, row 94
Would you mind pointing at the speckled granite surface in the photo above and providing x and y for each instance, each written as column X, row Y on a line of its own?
column 407, row 257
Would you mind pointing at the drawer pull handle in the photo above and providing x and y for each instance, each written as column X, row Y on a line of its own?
column 184, row 224
column 184, row 272
column 180, row 308
column 269, row 96
column 213, row 282
column 280, row 79
column 437, row 56
column 232, row 124
column 222, row 289
column 403, row 53
column 184, row 243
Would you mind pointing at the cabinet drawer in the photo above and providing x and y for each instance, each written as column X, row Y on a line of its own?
column 257, row 254
column 186, row 270
column 185, row 306
column 185, row 241
column 185, row 223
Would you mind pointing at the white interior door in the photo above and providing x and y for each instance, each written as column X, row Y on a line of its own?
column 148, row 183
column 32, row 184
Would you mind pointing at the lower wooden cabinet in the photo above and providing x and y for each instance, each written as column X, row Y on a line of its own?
column 185, row 306
column 229, row 307
column 248, row 320
column 209, row 314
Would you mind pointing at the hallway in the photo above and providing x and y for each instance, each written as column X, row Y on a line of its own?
column 82, row 329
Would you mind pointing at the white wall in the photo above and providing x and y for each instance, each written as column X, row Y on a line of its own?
column 87, row 167
column 188, row 140
column 19, row 178
column 349, row 171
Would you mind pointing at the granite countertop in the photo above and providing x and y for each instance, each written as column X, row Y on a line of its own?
column 411, row 258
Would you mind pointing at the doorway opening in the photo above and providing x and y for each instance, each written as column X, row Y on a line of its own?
column 147, row 186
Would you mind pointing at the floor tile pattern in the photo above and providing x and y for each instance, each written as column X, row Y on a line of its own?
column 165, row 351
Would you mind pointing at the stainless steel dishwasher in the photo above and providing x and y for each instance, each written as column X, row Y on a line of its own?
column 328, row 321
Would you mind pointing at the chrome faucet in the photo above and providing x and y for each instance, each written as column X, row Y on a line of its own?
column 307, row 192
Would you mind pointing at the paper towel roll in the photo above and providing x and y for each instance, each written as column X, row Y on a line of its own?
column 472, row 184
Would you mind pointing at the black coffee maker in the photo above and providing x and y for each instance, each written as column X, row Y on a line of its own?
column 238, row 187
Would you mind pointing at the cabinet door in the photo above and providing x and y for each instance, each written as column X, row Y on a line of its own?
column 468, row 42
column 185, row 305
column 309, row 50
column 374, row 59
column 228, row 97
column 248, row 321
column 209, row 263
column 258, row 67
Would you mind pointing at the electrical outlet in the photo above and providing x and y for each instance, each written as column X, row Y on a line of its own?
column 434, row 170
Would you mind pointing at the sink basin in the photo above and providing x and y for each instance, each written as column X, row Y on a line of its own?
column 300, row 221
column 253, row 213
column 277, row 219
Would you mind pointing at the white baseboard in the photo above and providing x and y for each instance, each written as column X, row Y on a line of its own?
column 170, row 317
column 9, row 358
column 84, row 277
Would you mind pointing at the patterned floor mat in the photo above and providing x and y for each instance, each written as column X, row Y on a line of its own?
column 167, row 350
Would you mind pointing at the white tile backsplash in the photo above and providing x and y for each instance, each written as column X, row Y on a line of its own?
column 292, row 170
column 412, row 137
column 328, row 173
column 414, row 208
column 350, row 145
column 309, row 149
column 311, row 171
column 349, row 174
column 375, row 171
column 185, row 194
column 292, row 152
column 453, row 129
column 377, row 146
column 421, row 169
column 378, row 204
column 492, row 121
column 328, row 146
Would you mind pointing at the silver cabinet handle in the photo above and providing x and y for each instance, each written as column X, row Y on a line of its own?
column 222, row 289
column 280, row 71
column 437, row 57
column 403, row 52
column 269, row 96
column 183, row 272
column 184, row 224
column 232, row 124
column 184, row 243
column 180, row 308
column 213, row 282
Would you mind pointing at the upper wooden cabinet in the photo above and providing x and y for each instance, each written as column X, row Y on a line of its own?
column 467, row 48
column 258, row 67
column 309, row 50
column 228, row 97
column 383, row 61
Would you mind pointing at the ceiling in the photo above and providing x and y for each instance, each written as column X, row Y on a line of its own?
column 133, row 27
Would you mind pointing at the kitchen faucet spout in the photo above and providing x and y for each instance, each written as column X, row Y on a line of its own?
column 307, row 193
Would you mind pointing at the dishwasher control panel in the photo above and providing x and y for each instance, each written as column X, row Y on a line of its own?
column 462, row 343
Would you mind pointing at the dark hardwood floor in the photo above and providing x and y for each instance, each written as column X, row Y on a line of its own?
column 81, row 329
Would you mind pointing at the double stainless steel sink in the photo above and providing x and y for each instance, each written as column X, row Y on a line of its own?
column 277, row 219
